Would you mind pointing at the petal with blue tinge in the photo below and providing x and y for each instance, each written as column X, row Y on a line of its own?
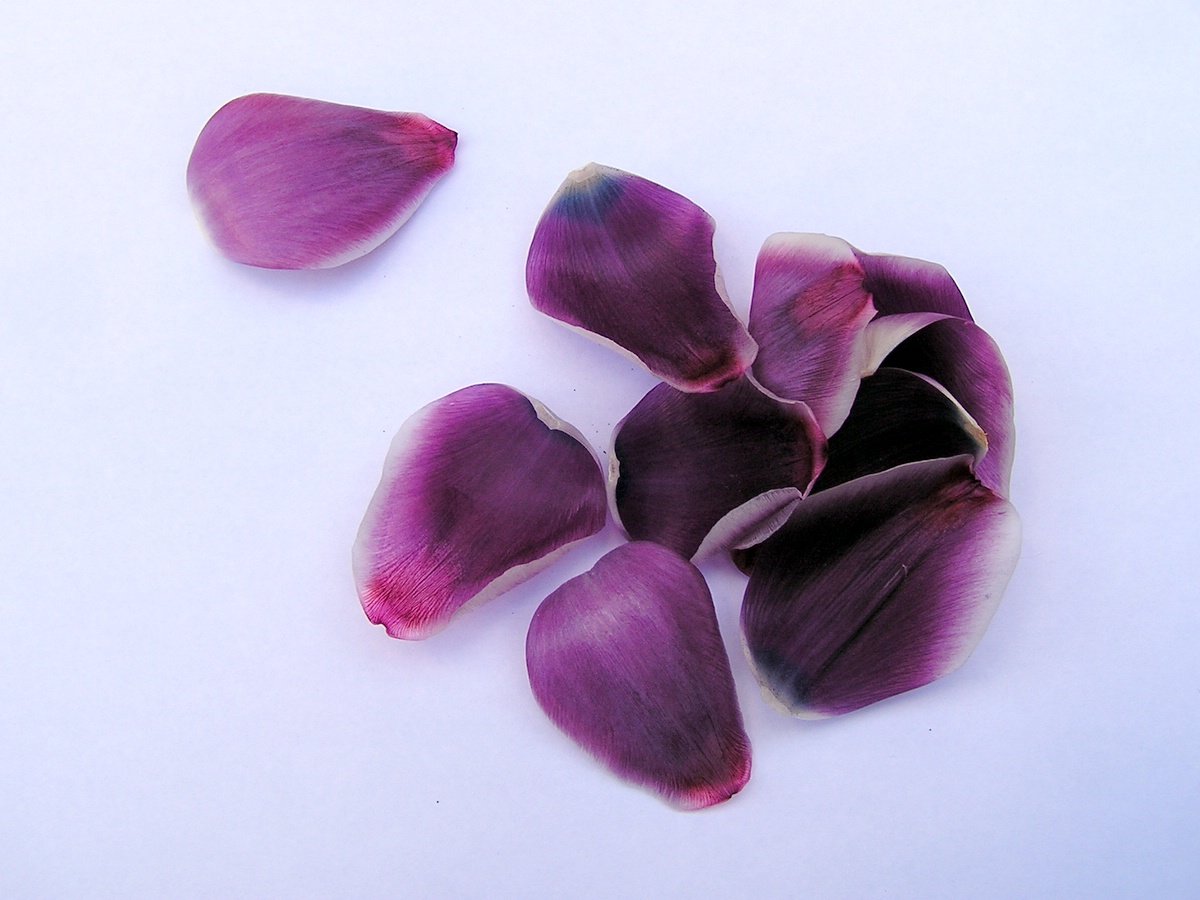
column 631, row 263
column 877, row 586
column 289, row 183
column 627, row 660
column 480, row 489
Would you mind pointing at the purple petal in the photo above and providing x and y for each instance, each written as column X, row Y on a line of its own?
column 899, row 417
column 683, row 463
column 962, row 358
column 480, row 489
column 627, row 660
column 631, row 263
column 808, row 314
column 288, row 183
column 900, row 284
column 877, row 586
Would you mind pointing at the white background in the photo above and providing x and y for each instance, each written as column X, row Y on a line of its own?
column 191, row 701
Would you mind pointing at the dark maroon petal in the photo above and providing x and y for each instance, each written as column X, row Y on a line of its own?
column 809, row 314
column 901, row 284
column 288, row 183
column 877, row 586
column 899, row 417
column 961, row 357
column 627, row 660
column 631, row 263
column 682, row 463
column 479, row 490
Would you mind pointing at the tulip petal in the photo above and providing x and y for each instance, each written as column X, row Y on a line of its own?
column 901, row 284
column 681, row 463
column 809, row 313
column 899, row 417
column 480, row 489
column 964, row 359
column 289, row 183
column 631, row 263
column 886, row 333
column 627, row 660
column 877, row 586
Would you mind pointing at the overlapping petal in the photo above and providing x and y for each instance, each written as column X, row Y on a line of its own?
column 631, row 263
column 964, row 359
column 480, row 488
column 809, row 314
column 699, row 472
column 289, row 183
column 627, row 660
column 877, row 586
column 899, row 417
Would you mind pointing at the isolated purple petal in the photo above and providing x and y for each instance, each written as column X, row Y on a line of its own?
column 809, row 314
column 480, row 489
column 962, row 358
column 899, row 417
column 627, row 660
column 901, row 284
column 289, row 183
column 877, row 586
column 682, row 463
column 631, row 263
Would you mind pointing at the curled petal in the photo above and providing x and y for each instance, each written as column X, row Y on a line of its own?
column 684, row 464
column 289, row 183
column 877, row 586
column 480, row 489
column 809, row 314
column 627, row 660
column 899, row 417
column 963, row 358
column 630, row 262
column 901, row 284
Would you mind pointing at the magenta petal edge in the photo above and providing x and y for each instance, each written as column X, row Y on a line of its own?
column 480, row 490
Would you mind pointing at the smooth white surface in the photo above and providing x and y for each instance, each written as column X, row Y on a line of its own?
column 191, row 701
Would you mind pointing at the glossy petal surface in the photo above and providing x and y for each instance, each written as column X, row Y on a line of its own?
column 899, row 417
column 963, row 358
column 809, row 314
column 478, row 489
column 683, row 462
column 289, row 183
column 877, row 586
column 630, row 262
column 627, row 660
column 901, row 284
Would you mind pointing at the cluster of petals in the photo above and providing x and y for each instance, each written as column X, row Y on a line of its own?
column 850, row 445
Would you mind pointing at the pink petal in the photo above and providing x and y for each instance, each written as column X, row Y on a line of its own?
column 627, row 660
column 288, row 183
column 480, row 489
column 631, row 263
column 809, row 315
column 877, row 586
